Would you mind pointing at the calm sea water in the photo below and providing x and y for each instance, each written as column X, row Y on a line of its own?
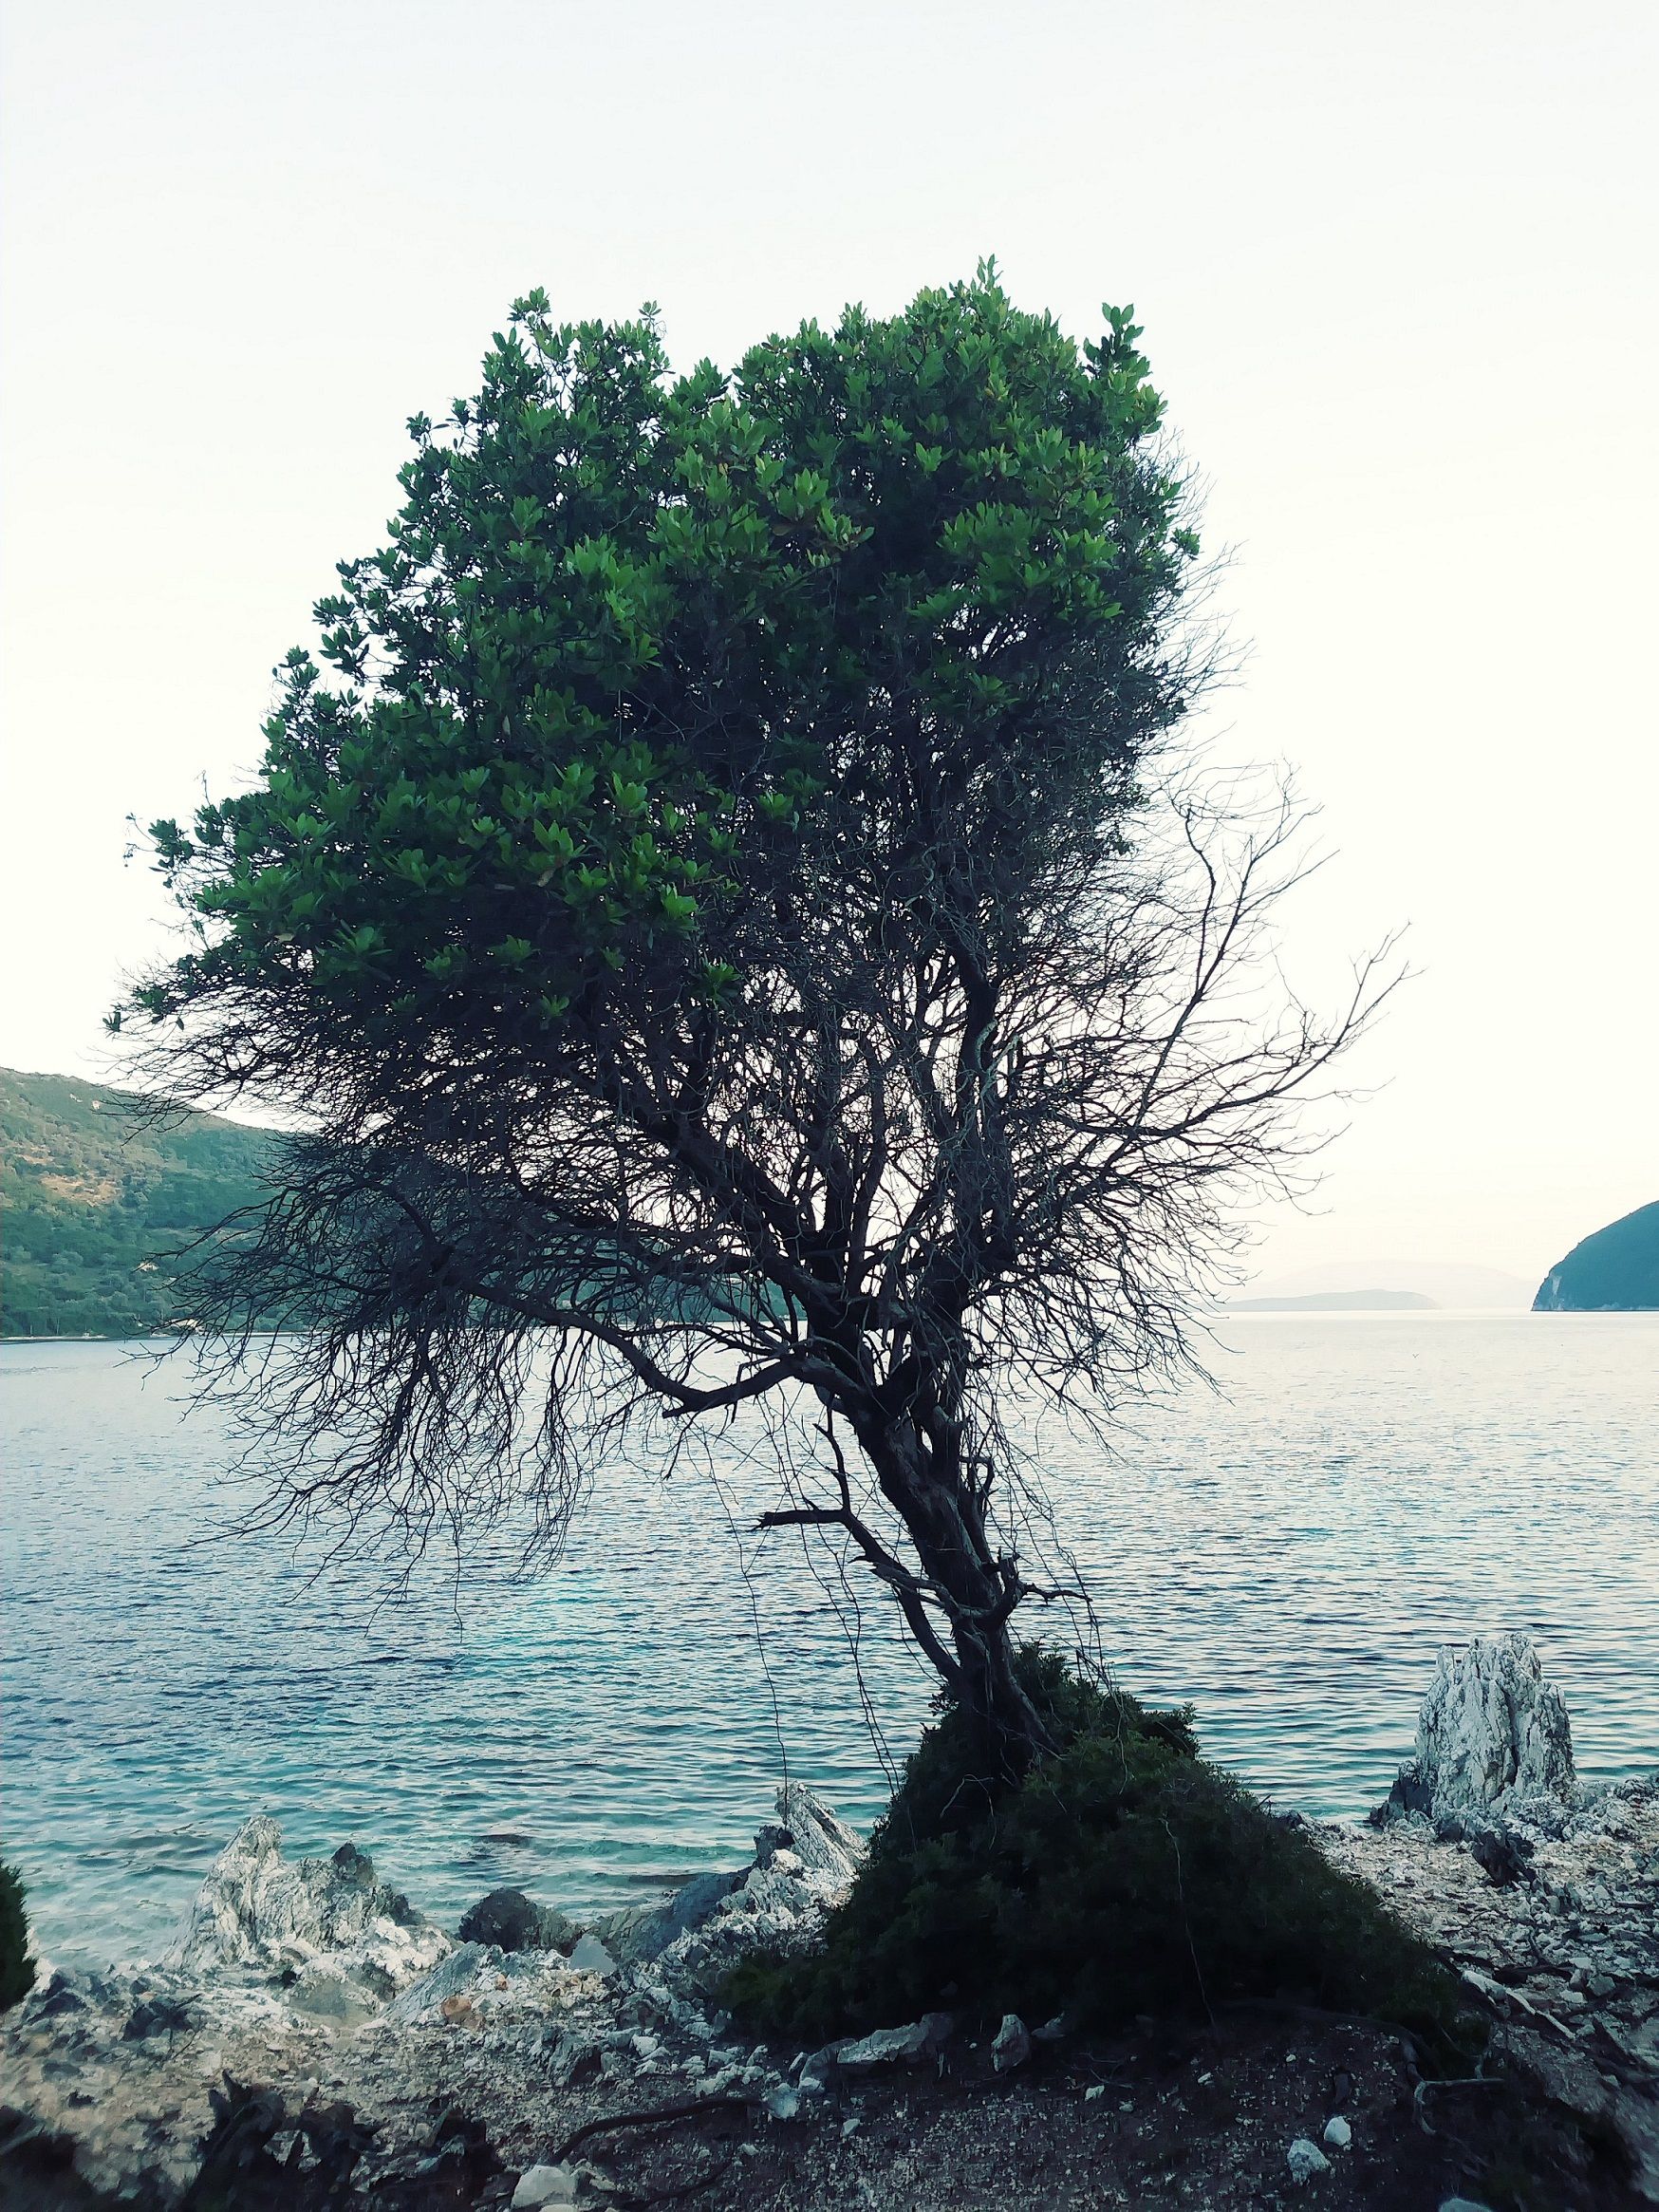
column 1286, row 1552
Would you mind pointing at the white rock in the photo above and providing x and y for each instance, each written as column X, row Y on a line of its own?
column 545, row 2185
column 1339, row 2134
column 1492, row 1734
column 1091, row 2094
column 782, row 2102
column 1011, row 2046
column 886, row 2046
column 258, row 1910
column 827, row 1847
column 1305, row 2160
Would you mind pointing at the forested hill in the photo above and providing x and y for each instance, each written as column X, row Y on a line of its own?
column 91, row 1200
column 1616, row 1270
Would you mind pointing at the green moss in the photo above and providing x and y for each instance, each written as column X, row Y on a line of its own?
column 16, row 1966
column 1124, row 1875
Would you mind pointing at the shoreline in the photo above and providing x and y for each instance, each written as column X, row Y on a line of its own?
column 309, row 2014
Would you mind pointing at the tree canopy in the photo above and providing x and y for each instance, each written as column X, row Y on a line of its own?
column 643, row 653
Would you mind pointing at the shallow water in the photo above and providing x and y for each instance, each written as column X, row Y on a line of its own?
column 1286, row 1553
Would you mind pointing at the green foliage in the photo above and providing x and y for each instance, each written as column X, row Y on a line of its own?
column 16, row 1966
column 1124, row 1875
column 93, row 1202
column 631, row 662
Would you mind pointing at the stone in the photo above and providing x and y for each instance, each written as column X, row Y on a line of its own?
column 641, row 1933
column 1502, row 1857
column 1492, row 1738
column 258, row 1910
column 827, row 1847
column 547, row 2184
column 1010, row 2046
column 1339, row 2134
column 453, row 1977
column 1306, row 2160
column 591, row 1957
column 1462, row 2205
column 783, row 2103
column 884, row 2047
column 515, row 1922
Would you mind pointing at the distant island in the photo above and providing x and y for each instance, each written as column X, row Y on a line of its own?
column 1339, row 1302
column 94, row 1201
column 1616, row 1270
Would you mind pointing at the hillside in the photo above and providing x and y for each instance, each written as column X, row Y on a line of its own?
column 92, row 1200
column 1616, row 1270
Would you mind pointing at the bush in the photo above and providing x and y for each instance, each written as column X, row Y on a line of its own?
column 16, row 1966
column 1124, row 1875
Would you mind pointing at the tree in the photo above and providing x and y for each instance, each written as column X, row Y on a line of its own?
column 733, row 929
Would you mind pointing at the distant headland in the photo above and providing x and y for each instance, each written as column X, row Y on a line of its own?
column 1614, row 1270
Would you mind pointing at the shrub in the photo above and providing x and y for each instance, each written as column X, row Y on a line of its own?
column 1124, row 1875
column 16, row 1966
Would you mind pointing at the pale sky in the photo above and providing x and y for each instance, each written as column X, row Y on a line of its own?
column 1396, row 270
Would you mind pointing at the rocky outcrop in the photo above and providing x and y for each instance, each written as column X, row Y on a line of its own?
column 314, row 1973
column 272, row 1915
column 1543, row 1893
column 1494, row 1744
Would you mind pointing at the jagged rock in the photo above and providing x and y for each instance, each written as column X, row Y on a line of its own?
column 260, row 1911
column 888, row 2045
column 641, row 1933
column 827, row 1847
column 1011, row 2047
column 452, row 1977
column 591, row 1957
column 515, row 1922
column 1493, row 1742
column 1305, row 2160
column 1337, row 2133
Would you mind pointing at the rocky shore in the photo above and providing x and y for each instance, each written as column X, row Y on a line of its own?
column 310, row 2039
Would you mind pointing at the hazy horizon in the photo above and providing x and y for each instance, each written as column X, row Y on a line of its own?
column 1388, row 274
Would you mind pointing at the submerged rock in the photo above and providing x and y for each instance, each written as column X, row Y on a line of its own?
column 260, row 1911
column 1493, row 1743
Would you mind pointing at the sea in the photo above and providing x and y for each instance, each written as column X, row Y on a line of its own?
column 1283, row 1545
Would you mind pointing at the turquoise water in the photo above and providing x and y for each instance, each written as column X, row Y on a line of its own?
column 1286, row 1551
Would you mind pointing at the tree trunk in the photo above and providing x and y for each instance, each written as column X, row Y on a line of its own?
column 974, row 1591
column 1008, row 1730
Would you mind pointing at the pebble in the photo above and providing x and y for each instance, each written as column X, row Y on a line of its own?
column 1339, row 2134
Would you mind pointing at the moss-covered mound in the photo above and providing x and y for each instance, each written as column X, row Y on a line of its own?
column 1124, row 1875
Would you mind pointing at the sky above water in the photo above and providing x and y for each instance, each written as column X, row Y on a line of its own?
column 1395, row 271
